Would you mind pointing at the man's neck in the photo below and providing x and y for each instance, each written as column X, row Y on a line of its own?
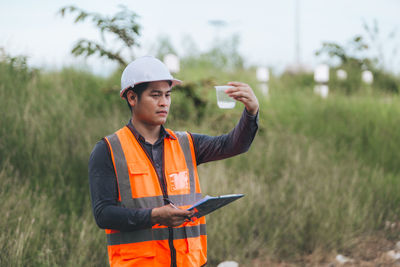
column 151, row 133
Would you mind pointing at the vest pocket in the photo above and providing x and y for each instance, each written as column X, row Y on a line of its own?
column 178, row 182
column 194, row 243
column 189, row 238
column 139, row 254
column 188, row 251
column 141, row 181
column 142, row 249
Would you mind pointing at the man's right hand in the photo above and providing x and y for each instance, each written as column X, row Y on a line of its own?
column 169, row 216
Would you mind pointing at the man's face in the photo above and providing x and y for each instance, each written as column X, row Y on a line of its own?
column 153, row 106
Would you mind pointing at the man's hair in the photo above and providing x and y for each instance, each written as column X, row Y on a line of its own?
column 138, row 89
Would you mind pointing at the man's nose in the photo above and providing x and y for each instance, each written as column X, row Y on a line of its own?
column 163, row 101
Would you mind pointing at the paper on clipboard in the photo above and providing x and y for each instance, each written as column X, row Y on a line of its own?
column 208, row 204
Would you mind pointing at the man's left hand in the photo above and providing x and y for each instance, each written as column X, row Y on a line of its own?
column 242, row 92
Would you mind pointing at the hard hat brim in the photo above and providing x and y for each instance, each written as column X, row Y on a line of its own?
column 174, row 82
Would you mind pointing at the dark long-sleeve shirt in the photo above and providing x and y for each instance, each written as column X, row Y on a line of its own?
column 103, row 181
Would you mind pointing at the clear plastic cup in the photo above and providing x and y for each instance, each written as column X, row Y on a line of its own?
column 223, row 100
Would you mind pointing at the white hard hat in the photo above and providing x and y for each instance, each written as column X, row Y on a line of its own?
column 145, row 69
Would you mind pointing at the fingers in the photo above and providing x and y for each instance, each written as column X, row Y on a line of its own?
column 177, row 221
column 169, row 216
column 242, row 92
column 192, row 212
column 179, row 216
column 238, row 93
column 239, row 89
column 181, row 213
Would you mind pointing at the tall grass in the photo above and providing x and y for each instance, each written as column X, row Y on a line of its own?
column 367, row 126
column 300, row 199
column 320, row 172
column 37, row 232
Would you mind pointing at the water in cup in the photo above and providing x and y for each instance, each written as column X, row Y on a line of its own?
column 223, row 100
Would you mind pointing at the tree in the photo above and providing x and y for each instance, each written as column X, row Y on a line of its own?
column 362, row 53
column 225, row 53
column 122, row 26
column 352, row 54
column 163, row 46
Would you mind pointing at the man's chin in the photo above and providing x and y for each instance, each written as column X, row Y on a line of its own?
column 160, row 122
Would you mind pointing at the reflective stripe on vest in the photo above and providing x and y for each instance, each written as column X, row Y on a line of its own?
column 155, row 234
column 139, row 187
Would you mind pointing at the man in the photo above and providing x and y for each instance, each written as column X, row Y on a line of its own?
column 144, row 177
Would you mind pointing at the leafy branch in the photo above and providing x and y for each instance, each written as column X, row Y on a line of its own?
column 346, row 55
column 122, row 26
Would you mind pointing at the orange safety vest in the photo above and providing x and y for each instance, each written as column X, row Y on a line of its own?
column 139, row 187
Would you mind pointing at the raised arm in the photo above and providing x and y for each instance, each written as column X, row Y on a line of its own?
column 209, row 148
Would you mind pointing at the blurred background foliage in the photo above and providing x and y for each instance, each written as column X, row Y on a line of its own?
column 362, row 52
column 321, row 174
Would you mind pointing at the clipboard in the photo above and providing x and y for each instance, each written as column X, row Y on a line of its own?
column 209, row 204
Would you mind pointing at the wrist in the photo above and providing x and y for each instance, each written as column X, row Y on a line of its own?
column 154, row 217
column 252, row 112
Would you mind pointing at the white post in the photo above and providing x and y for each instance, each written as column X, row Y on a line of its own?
column 264, row 89
column 172, row 63
column 341, row 74
column 367, row 77
column 262, row 74
column 321, row 77
column 228, row 264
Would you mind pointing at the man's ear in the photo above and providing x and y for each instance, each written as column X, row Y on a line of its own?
column 132, row 98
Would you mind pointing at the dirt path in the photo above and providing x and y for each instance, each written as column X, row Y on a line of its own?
column 365, row 252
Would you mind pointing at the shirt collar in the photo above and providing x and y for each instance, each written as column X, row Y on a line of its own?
column 163, row 133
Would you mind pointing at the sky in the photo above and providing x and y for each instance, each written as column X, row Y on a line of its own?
column 266, row 28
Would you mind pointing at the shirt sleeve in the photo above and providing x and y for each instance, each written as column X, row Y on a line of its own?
column 210, row 148
column 104, row 195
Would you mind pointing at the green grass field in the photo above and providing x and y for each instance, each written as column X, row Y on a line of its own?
column 320, row 173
